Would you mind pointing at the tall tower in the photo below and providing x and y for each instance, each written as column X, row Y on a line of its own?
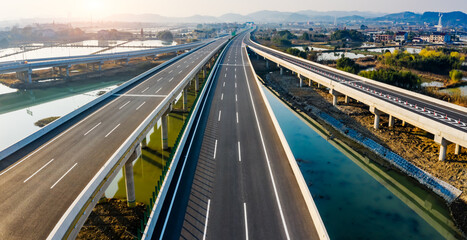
column 335, row 20
column 439, row 27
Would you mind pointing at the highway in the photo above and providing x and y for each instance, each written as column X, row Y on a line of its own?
column 242, row 185
column 39, row 182
column 441, row 113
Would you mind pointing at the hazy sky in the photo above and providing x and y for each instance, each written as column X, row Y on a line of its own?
column 14, row 9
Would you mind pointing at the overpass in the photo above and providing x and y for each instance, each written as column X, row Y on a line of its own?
column 24, row 69
column 446, row 121
column 51, row 180
column 242, row 180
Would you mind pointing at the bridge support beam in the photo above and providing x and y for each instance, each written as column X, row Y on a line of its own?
column 443, row 147
column 129, row 178
column 309, row 82
column 301, row 80
column 457, row 149
column 377, row 116
column 196, row 84
column 185, row 98
column 25, row 75
column 68, row 71
column 334, row 94
column 282, row 70
column 346, row 99
column 319, row 85
column 391, row 121
column 204, row 72
column 144, row 143
column 165, row 130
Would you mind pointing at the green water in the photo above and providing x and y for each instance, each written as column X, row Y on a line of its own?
column 356, row 198
column 147, row 169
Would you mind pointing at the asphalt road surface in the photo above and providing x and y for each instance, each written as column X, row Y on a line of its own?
column 39, row 183
column 242, row 186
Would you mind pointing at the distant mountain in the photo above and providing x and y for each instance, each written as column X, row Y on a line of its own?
column 449, row 19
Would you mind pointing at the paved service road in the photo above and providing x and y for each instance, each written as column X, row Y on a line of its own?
column 440, row 113
column 243, row 186
column 39, row 183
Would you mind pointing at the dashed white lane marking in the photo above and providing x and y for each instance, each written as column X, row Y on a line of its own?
column 145, row 90
column 171, row 79
column 112, row 130
column 235, row 97
column 45, row 165
column 246, row 221
column 92, row 129
column 63, row 176
column 219, row 118
column 140, row 105
column 223, row 85
column 206, row 222
column 124, row 105
column 237, row 116
column 222, row 96
column 215, row 150
column 171, row 71
column 158, row 90
column 239, row 152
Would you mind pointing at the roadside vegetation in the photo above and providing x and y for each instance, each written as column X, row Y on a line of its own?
column 45, row 121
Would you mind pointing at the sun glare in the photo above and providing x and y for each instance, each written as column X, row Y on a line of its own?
column 94, row 5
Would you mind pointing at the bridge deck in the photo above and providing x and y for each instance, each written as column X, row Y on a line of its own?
column 40, row 182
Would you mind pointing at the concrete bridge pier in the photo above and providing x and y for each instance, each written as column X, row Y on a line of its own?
column 144, row 143
column 185, row 98
column 196, row 84
column 127, row 61
column 443, row 147
column 129, row 178
column 457, row 149
column 391, row 121
column 165, row 130
column 301, row 80
column 25, row 75
column 309, row 82
column 377, row 114
column 100, row 66
column 68, row 71
column 334, row 94
column 346, row 99
column 319, row 85
column 267, row 64
column 204, row 72
column 282, row 70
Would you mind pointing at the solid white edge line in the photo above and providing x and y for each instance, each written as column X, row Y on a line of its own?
column 92, row 129
column 63, row 176
column 246, row 221
column 45, row 165
column 215, row 150
column 112, row 130
column 140, row 105
column 266, row 154
column 206, row 222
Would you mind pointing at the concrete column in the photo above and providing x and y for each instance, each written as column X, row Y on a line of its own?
column 443, row 147
column 185, row 98
column 377, row 117
column 346, row 99
column 196, row 84
column 204, row 72
column 282, row 71
column 334, row 94
column 29, row 75
column 301, row 80
column 129, row 179
column 267, row 63
column 144, row 143
column 309, row 82
column 68, row 71
column 100, row 66
column 319, row 85
column 391, row 121
column 127, row 61
column 165, row 130
column 457, row 150
column 403, row 123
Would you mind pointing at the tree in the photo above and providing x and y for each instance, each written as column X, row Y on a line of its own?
column 165, row 36
column 305, row 36
column 455, row 75
column 348, row 65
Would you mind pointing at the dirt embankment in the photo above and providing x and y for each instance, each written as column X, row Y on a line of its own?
column 112, row 219
column 414, row 144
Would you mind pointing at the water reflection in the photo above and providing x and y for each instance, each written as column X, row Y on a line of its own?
column 356, row 197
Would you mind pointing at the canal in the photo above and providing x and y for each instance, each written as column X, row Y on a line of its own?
column 358, row 199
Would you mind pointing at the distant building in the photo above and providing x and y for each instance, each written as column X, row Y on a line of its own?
column 440, row 38
column 425, row 38
column 384, row 38
column 401, row 36
column 417, row 40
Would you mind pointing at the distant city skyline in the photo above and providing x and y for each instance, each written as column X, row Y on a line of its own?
column 100, row 9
